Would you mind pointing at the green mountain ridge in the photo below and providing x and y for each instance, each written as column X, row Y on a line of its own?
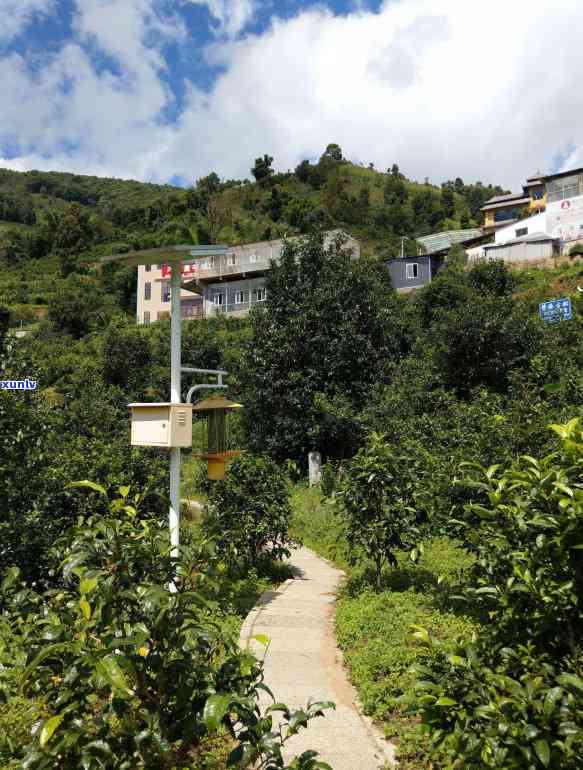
column 53, row 224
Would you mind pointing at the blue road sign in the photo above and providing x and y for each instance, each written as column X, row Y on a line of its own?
column 556, row 310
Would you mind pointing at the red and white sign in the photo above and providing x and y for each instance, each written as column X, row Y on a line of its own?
column 189, row 270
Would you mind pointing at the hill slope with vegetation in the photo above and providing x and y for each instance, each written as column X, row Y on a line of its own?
column 399, row 393
column 56, row 224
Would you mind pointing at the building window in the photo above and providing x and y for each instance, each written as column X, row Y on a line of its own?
column 154, row 267
column 259, row 295
column 148, row 268
column 218, row 299
column 537, row 195
column 232, row 260
column 147, row 290
column 252, row 259
column 146, row 316
column 521, row 231
column 239, row 297
column 163, row 314
column 412, row 270
column 502, row 215
column 165, row 291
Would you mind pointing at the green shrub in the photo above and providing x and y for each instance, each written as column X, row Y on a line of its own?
column 134, row 675
column 249, row 510
column 377, row 499
column 513, row 697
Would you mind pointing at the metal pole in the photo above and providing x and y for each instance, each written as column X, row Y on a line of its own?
column 175, row 342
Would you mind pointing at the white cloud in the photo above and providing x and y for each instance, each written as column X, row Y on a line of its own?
column 431, row 84
column 16, row 15
column 232, row 15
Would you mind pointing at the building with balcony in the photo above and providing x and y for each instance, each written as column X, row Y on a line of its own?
column 537, row 193
column 546, row 230
column 228, row 284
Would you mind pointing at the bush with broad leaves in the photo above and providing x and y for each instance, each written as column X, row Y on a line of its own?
column 133, row 675
column 513, row 696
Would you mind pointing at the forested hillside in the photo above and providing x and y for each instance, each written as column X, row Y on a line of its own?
column 55, row 224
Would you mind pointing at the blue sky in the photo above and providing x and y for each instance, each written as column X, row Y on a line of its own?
column 172, row 89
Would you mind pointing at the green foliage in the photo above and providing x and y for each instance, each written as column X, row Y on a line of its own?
column 337, row 323
column 52, row 436
column 249, row 511
column 127, row 357
column 492, row 278
column 262, row 170
column 482, row 341
column 130, row 673
column 513, row 697
column 79, row 307
column 379, row 503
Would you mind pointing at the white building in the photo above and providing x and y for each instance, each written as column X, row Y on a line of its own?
column 538, row 238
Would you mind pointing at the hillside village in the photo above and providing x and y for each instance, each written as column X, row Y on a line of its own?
column 291, row 385
column 55, row 224
column 389, row 373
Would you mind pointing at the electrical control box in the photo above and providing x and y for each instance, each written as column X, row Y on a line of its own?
column 164, row 425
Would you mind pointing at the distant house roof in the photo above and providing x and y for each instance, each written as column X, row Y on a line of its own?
column 559, row 174
column 532, row 238
column 443, row 241
column 534, row 181
column 500, row 200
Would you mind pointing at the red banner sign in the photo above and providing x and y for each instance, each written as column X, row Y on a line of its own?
column 188, row 270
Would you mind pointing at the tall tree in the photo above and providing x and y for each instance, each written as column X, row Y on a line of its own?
column 332, row 152
column 328, row 332
column 262, row 170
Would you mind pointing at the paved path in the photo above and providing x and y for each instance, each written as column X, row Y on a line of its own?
column 302, row 662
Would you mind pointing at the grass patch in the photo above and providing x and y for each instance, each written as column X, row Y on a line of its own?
column 316, row 525
column 375, row 629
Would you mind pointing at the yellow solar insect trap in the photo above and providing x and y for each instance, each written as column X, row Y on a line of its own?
column 216, row 443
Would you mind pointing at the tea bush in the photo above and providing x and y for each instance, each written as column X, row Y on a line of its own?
column 249, row 510
column 129, row 674
column 513, row 696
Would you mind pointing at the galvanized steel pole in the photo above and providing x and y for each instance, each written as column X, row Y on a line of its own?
column 175, row 398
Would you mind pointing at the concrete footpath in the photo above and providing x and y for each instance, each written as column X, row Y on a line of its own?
column 302, row 662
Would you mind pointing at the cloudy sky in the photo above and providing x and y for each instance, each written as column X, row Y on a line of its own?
column 169, row 90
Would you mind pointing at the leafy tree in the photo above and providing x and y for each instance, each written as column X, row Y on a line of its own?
column 79, row 306
column 303, row 171
column 482, row 341
column 378, row 502
column 492, row 278
column 448, row 202
column 127, row 357
column 336, row 321
column 262, row 169
column 73, row 234
column 332, row 152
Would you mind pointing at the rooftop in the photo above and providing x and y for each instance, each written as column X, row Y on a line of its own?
column 506, row 198
column 559, row 174
column 532, row 238
column 445, row 240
